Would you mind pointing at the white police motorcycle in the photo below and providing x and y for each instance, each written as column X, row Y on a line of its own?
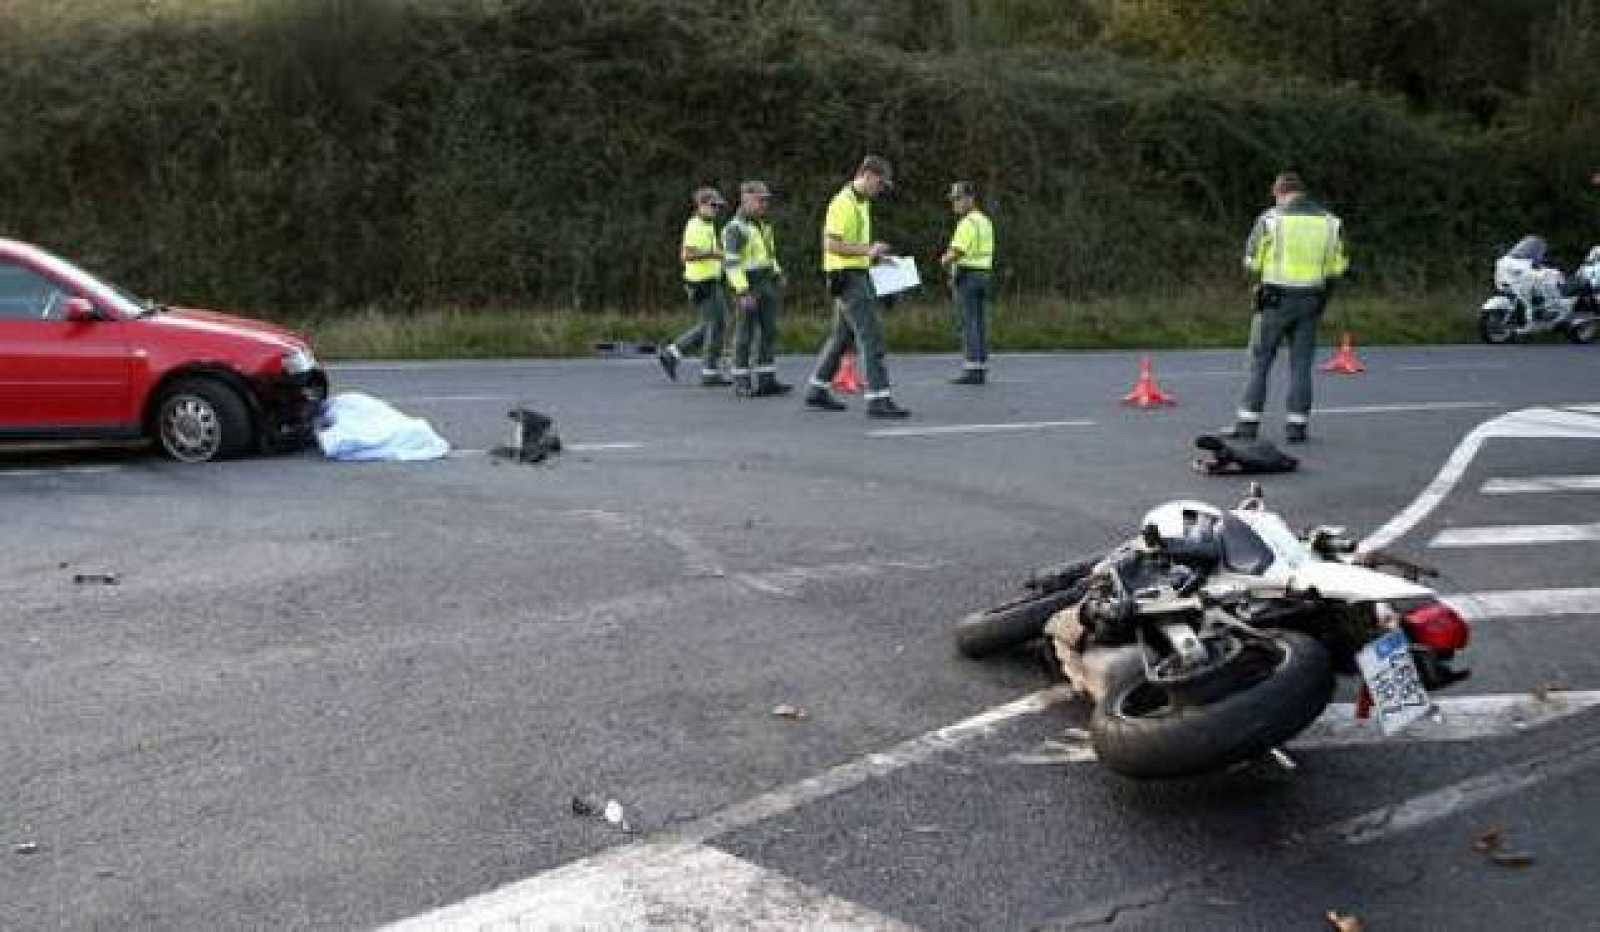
column 1531, row 298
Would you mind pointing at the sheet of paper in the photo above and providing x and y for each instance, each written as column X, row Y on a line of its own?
column 894, row 275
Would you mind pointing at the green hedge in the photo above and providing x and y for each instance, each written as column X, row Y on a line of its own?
column 307, row 155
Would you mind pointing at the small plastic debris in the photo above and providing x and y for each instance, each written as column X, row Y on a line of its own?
column 103, row 579
column 104, row 873
column 791, row 712
column 1489, row 840
column 614, row 813
column 26, row 847
column 1345, row 923
column 1283, row 760
column 1512, row 858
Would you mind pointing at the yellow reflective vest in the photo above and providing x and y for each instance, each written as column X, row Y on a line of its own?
column 1299, row 245
column 974, row 236
column 849, row 218
column 699, row 233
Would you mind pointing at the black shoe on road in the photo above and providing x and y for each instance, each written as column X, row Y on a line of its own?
column 742, row 387
column 715, row 381
column 669, row 363
column 1244, row 430
column 822, row 400
column 969, row 377
column 1294, row 433
column 768, row 385
column 885, row 407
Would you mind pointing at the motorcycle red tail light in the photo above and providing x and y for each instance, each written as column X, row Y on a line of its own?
column 1437, row 625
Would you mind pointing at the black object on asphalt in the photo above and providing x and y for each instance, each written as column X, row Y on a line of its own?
column 1240, row 457
column 533, row 436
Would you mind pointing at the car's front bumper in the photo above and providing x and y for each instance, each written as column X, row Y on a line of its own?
column 289, row 407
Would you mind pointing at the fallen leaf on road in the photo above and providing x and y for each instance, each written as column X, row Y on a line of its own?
column 585, row 806
column 1345, row 923
column 1489, row 840
column 792, row 712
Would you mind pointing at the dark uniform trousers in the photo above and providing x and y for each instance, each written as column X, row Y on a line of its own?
column 1288, row 315
column 709, row 300
column 973, row 291
column 856, row 323
column 758, row 328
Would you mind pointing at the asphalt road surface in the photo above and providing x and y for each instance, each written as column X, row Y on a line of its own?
column 341, row 696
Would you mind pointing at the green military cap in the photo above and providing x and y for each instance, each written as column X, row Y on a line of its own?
column 758, row 188
column 962, row 189
column 878, row 165
column 709, row 195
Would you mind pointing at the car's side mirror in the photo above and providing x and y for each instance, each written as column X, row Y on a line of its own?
column 80, row 311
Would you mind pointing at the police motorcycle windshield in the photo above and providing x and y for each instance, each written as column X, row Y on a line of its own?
column 1531, row 248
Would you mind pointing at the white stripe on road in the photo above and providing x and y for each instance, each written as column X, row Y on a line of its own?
column 654, row 866
column 1409, row 406
column 1511, row 535
column 1542, row 484
column 1525, row 603
column 1446, row 801
column 1453, row 367
column 57, row 471
column 654, row 885
column 1529, row 422
column 1465, row 718
column 974, row 428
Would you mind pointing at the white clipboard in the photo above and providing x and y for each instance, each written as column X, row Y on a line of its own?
column 894, row 275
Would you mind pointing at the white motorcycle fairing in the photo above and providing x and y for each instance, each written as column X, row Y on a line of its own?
column 1295, row 568
column 1499, row 302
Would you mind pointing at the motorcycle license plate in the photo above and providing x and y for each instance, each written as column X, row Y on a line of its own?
column 1391, row 676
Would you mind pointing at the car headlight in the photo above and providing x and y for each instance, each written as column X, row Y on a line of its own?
column 299, row 362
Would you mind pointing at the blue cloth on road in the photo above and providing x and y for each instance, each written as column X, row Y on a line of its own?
column 355, row 427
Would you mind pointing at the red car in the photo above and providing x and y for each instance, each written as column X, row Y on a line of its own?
column 83, row 360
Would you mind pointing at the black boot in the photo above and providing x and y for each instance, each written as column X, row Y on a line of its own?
column 767, row 384
column 1243, row 430
column 1294, row 433
column 823, row 400
column 885, row 407
column 969, row 377
column 742, row 386
column 715, row 380
column 669, row 363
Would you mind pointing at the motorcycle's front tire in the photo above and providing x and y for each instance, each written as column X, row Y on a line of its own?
column 983, row 633
column 1240, row 726
column 1495, row 328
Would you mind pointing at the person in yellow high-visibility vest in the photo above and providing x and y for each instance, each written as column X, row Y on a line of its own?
column 1297, row 249
column 756, row 278
column 702, row 280
column 848, row 254
column 969, row 260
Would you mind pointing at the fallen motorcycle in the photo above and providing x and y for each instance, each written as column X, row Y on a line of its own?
column 1213, row 637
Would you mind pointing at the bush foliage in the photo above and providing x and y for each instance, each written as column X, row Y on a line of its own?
column 296, row 155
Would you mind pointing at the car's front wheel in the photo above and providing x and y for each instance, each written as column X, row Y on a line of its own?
column 201, row 419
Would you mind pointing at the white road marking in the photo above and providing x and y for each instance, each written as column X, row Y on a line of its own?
column 1511, row 535
column 1528, row 422
column 57, row 471
column 596, row 447
column 1464, row 718
column 1525, row 603
column 1453, row 367
column 974, row 428
column 609, row 890
column 1446, row 801
column 440, row 399
column 1409, row 406
column 654, row 885
column 1541, row 484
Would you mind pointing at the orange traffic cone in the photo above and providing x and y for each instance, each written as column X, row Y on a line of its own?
column 848, row 379
column 1344, row 361
column 1146, row 393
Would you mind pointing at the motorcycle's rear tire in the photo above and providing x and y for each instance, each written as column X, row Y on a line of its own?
column 1238, row 727
column 1584, row 332
column 988, row 632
